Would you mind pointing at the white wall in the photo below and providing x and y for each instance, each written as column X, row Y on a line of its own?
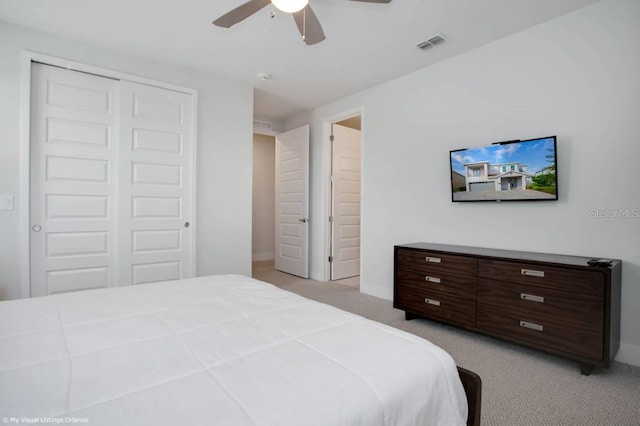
column 264, row 197
column 576, row 77
column 224, row 148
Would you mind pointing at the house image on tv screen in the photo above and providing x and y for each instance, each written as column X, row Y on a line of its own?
column 496, row 177
column 503, row 172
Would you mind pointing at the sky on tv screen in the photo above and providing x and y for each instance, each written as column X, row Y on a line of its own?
column 536, row 154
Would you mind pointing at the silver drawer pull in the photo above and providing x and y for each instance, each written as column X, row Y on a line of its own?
column 433, row 259
column 432, row 279
column 531, row 326
column 432, row 302
column 531, row 298
column 532, row 273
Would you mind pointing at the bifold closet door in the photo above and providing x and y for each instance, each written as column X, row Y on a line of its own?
column 111, row 179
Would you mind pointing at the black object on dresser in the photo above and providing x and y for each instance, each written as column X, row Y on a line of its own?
column 565, row 305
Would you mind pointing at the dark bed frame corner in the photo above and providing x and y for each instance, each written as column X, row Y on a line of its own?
column 473, row 389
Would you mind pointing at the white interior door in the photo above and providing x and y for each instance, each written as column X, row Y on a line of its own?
column 346, row 170
column 155, row 184
column 111, row 181
column 292, row 202
column 73, row 192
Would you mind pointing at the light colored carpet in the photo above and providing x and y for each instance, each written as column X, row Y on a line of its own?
column 520, row 386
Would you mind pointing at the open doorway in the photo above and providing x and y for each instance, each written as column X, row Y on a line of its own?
column 262, row 238
column 280, row 228
column 345, row 199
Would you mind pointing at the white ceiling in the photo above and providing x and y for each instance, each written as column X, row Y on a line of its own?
column 366, row 44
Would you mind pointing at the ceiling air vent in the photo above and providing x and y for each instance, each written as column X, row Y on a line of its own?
column 262, row 125
column 433, row 41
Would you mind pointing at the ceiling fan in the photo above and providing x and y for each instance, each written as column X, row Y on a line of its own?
column 305, row 18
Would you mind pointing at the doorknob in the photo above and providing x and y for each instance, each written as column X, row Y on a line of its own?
column 187, row 224
column 304, row 220
column 36, row 228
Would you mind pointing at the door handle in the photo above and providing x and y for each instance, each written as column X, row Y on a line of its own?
column 36, row 228
column 304, row 220
column 187, row 224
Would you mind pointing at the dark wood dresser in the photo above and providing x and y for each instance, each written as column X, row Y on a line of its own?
column 555, row 303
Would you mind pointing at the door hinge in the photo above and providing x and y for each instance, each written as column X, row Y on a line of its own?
column 330, row 258
column 331, row 138
column 332, row 178
column 330, row 219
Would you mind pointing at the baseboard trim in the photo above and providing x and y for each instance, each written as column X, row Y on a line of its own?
column 316, row 276
column 259, row 257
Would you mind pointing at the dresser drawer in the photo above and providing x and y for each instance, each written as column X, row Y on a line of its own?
column 436, row 305
column 463, row 286
column 437, row 262
column 552, row 304
column 579, row 281
column 571, row 338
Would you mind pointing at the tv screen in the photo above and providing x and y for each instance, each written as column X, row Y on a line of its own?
column 506, row 171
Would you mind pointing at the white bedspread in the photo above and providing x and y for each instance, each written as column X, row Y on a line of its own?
column 218, row 350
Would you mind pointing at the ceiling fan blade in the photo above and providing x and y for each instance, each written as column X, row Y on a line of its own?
column 309, row 26
column 374, row 1
column 240, row 13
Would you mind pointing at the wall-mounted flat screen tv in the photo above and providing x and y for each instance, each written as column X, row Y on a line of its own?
column 506, row 171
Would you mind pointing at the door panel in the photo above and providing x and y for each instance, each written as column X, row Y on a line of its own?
column 76, row 243
column 76, row 206
column 346, row 170
column 292, row 202
column 156, row 184
column 75, row 279
column 73, row 119
column 156, row 207
column 62, row 131
column 143, row 273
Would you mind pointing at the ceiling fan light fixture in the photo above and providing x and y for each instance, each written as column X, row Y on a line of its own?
column 290, row 6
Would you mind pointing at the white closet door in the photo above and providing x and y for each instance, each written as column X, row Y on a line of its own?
column 155, row 184
column 111, row 182
column 73, row 237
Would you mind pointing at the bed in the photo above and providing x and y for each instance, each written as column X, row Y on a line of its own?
column 225, row 349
